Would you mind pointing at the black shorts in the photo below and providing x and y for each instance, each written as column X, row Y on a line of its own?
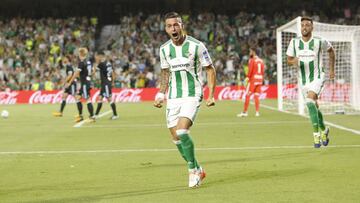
column 84, row 90
column 105, row 90
column 71, row 89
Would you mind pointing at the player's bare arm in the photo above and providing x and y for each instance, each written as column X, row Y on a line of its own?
column 75, row 75
column 113, row 76
column 331, row 52
column 67, row 80
column 164, row 81
column 211, row 78
column 292, row 61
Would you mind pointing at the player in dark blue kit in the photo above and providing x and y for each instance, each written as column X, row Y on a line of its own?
column 107, row 77
column 70, row 89
column 84, row 72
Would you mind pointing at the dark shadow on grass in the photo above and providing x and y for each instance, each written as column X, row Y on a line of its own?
column 257, row 175
column 111, row 197
column 281, row 156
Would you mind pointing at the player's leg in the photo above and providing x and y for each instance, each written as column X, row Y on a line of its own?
column 172, row 112
column 314, row 116
column 183, row 133
column 86, row 95
column 187, row 145
column 249, row 91
column 62, row 105
column 108, row 91
column 196, row 172
column 99, row 104
column 177, row 142
column 324, row 131
column 63, row 102
column 257, row 100
column 79, row 117
column 186, row 118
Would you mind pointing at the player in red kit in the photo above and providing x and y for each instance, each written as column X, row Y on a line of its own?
column 254, row 80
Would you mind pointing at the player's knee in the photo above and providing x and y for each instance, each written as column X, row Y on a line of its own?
column 310, row 100
column 312, row 95
column 181, row 132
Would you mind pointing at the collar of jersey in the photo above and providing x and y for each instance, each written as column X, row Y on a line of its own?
column 181, row 44
column 312, row 36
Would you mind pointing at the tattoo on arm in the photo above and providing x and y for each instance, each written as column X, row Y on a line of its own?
column 164, row 80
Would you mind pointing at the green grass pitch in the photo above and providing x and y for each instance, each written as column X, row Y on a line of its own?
column 255, row 159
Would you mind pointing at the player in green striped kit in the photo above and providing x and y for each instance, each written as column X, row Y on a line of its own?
column 305, row 52
column 182, row 59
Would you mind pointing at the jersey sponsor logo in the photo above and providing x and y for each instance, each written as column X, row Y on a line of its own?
column 307, row 55
column 183, row 66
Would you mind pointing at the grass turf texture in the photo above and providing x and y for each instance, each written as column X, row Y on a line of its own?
column 236, row 153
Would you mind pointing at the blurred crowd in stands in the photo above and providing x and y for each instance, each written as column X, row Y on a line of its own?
column 31, row 50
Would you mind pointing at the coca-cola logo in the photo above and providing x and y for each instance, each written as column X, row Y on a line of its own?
column 290, row 92
column 227, row 93
column 39, row 97
column 125, row 95
column 8, row 97
column 336, row 93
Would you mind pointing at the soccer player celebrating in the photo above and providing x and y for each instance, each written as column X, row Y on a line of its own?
column 305, row 52
column 71, row 89
column 84, row 71
column 107, row 76
column 254, row 80
column 182, row 59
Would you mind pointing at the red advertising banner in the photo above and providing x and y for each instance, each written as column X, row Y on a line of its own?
column 332, row 92
column 125, row 95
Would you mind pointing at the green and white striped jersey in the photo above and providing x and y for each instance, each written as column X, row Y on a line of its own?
column 310, row 56
column 185, row 63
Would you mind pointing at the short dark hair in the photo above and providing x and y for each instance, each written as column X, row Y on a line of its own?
column 253, row 48
column 307, row 18
column 171, row 15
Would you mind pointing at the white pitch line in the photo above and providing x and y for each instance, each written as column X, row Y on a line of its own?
column 326, row 122
column 169, row 150
column 78, row 125
column 128, row 125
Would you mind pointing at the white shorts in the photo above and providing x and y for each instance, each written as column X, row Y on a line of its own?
column 317, row 85
column 182, row 107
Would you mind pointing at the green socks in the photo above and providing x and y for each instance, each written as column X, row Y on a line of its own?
column 178, row 145
column 187, row 148
column 321, row 121
column 313, row 113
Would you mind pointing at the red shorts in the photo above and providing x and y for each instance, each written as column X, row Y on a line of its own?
column 253, row 88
